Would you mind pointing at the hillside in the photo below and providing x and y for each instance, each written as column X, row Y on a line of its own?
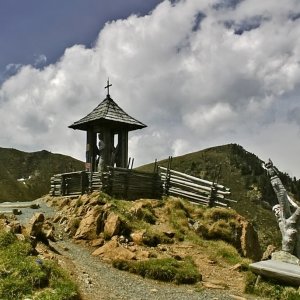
column 243, row 173
column 26, row 176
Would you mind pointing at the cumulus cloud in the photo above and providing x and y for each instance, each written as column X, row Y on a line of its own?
column 198, row 73
column 40, row 60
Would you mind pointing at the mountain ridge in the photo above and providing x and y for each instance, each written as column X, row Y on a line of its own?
column 26, row 176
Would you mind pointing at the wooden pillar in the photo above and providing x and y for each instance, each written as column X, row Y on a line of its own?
column 108, row 149
column 123, row 148
column 91, row 151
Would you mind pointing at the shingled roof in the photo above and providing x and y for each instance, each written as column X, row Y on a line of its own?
column 108, row 113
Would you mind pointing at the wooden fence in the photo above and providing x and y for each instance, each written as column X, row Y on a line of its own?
column 132, row 184
column 193, row 188
column 75, row 183
column 118, row 182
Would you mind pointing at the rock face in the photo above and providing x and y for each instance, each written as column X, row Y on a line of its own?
column 112, row 225
column 250, row 246
column 88, row 227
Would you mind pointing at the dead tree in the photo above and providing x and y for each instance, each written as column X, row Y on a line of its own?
column 287, row 213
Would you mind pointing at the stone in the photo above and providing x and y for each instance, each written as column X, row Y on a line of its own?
column 169, row 234
column 15, row 227
column 34, row 206
column 34, row 227
column 268, row 253
column 250, row 246
column 97, row 242
column 112, row 250
column 112, row 225
column 138, row 236
column 211, row 285
column 143, row 255
column 285, row 257
column 88, row 226
column 20, row 237
column 48, row 230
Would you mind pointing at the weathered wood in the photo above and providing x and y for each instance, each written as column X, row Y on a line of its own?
column 209, row 183
column 284, row 272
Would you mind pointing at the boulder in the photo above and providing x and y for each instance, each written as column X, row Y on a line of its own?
column 34, row 227
column 138, row 236
column 112, row 250
column 48, row 230
column 286, row 257
column 112, row 225
column 88, row 227
column 268, row 253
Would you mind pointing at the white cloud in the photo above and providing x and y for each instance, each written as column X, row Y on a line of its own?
column 40, row 60
column 196, row 75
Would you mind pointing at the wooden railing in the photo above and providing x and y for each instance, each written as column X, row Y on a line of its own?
column 132, row 184
column 193, row 188
column 118, row 182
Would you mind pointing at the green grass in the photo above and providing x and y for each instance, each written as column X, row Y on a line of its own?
column 23, row 274
column 270, row 289
column 167, row 269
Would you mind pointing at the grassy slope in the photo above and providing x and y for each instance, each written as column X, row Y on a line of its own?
column 243, row 173
column 41, row 165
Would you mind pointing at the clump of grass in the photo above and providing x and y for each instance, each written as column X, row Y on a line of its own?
column 60, row 286
column 178, row 216
column 22, row 274
column 152, row 238
column 146, row 214
column 6, row 238
column 270, row 288
column 218, row 213
column 221, row 250
column 219, row 224
column 167, row 269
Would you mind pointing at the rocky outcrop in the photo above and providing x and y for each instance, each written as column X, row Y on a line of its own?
column 90, row 224
column 112, row 226
column 250, row 246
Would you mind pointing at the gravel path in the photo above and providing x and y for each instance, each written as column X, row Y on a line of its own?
column 99, row 280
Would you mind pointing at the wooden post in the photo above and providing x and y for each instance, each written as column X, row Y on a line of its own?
column 91, row 152
column 123, row 149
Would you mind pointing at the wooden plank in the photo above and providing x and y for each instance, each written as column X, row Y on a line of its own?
column 196, row 179
column 284, row 272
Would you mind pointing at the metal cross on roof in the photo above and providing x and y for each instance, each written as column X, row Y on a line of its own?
column 107, row 87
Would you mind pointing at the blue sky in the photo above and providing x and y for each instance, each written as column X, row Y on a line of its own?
column 198, row 73
column 32, row 28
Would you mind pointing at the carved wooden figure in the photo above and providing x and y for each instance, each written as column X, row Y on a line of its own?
column 287, row 213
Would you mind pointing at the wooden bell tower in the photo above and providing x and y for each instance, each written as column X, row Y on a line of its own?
column 113, row 123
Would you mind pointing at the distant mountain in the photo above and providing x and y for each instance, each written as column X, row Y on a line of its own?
column 26, row 176
column 242, row 172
